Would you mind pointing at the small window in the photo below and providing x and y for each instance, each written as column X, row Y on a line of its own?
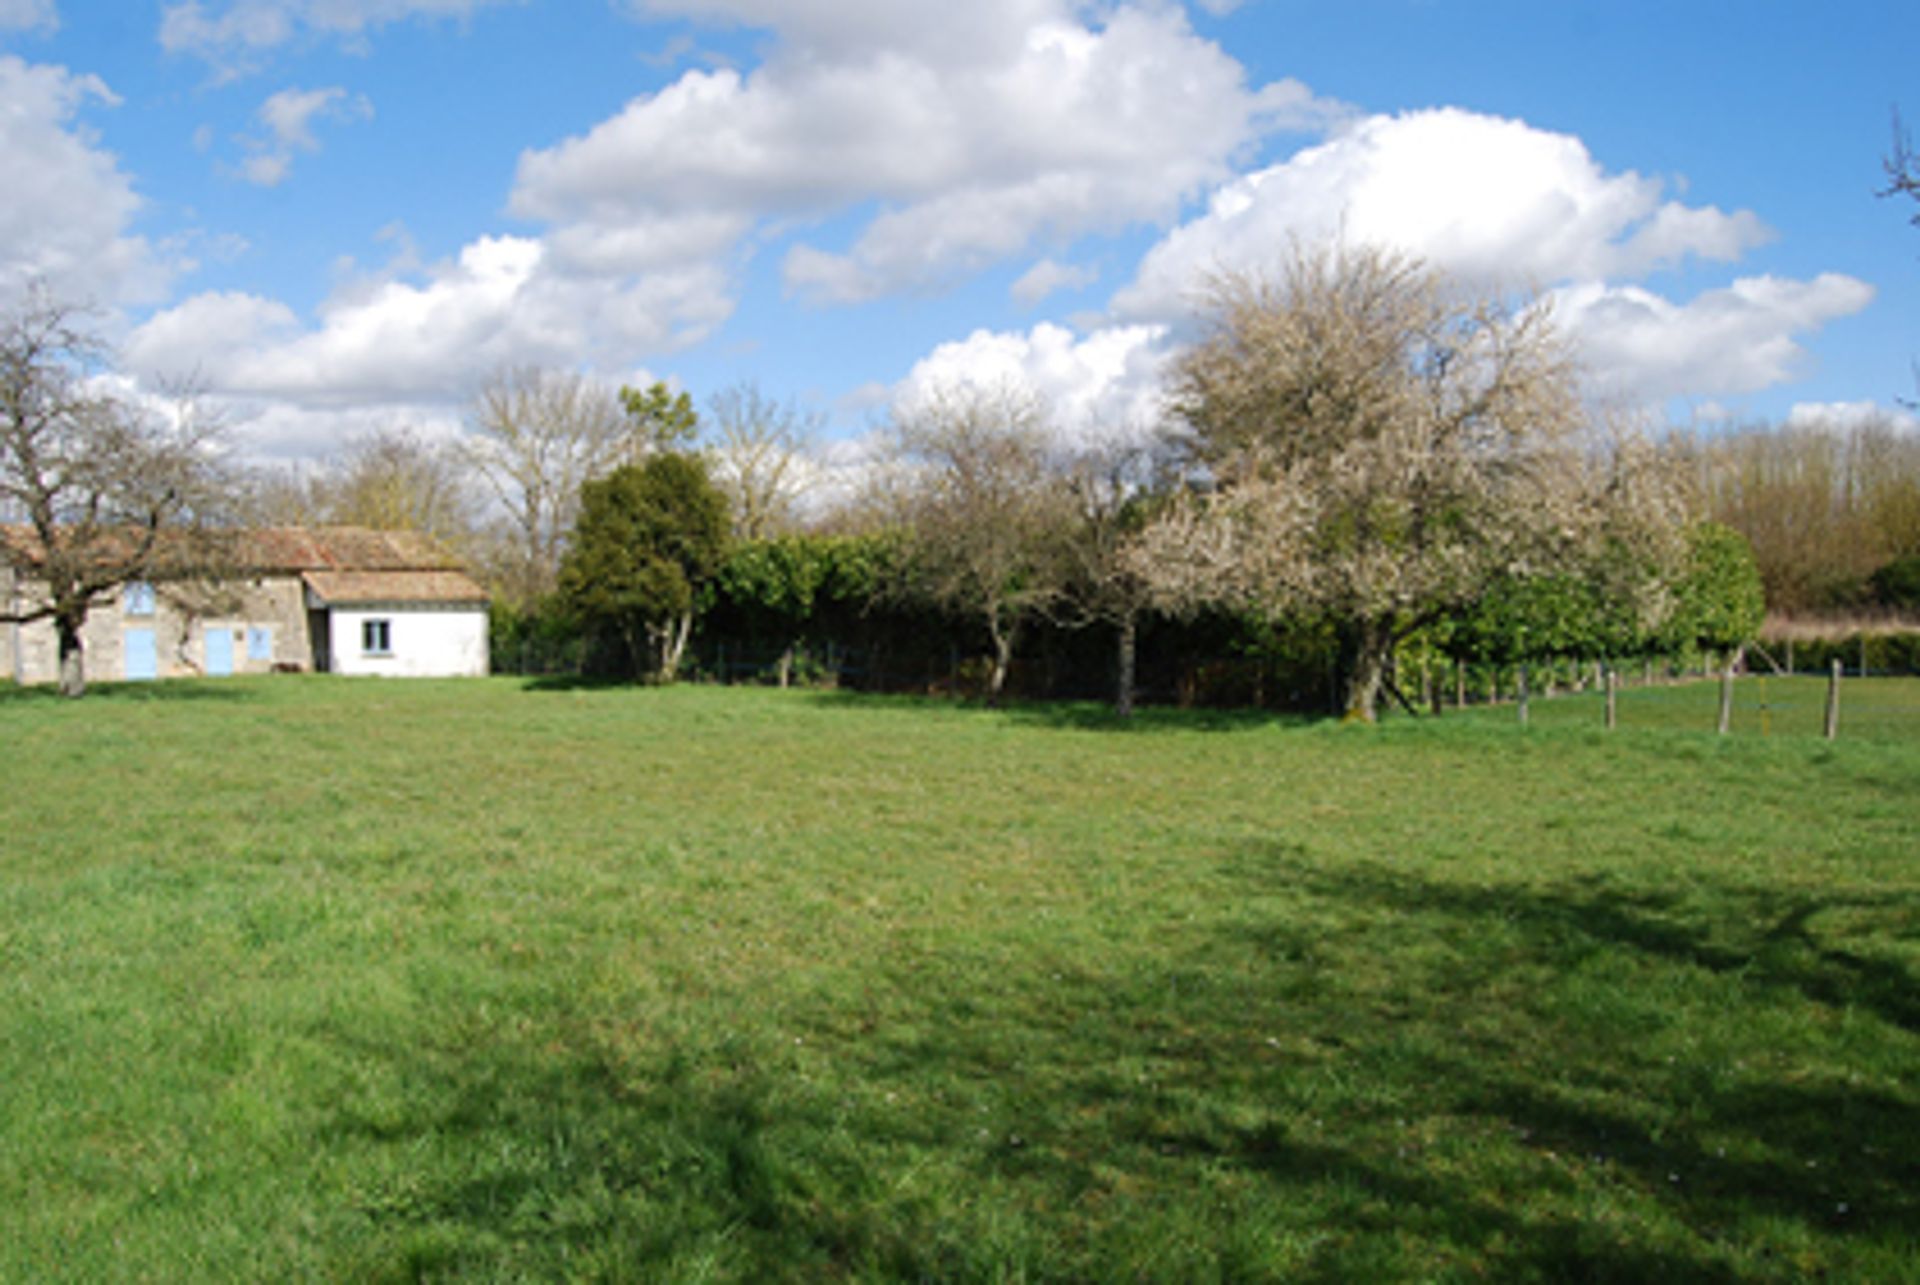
column 138, row 599
column 259, row 642
column 376, row 637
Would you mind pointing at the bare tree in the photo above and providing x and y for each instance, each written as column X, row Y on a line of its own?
column 1902, row 165
column 974, row 486
column 1823, row 506
column 759, row 457
column 1113, row 489
column 1374, row 445
column 391, row 479
column 105, row 491
column 395, row 480
column 539, row 436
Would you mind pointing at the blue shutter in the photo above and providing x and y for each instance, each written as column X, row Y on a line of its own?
column 219, row 643
column 142, row 656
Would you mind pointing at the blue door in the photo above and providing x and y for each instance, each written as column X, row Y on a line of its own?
column 143, row 659
column 219, row 652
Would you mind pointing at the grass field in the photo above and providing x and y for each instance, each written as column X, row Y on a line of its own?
column 325, row 979
column 1872, row 709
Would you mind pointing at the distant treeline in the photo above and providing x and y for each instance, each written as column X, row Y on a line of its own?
column 1832, row 514
column 840, row 610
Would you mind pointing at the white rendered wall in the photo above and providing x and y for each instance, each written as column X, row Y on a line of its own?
column 425, row 643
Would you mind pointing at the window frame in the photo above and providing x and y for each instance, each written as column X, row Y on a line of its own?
column 378, row 628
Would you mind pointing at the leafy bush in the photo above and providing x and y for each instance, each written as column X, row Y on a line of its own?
column 1897, row 584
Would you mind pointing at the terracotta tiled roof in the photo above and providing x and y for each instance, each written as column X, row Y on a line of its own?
column 341, row 564
column 344, row 548
column 290, row 549
column 347, row 588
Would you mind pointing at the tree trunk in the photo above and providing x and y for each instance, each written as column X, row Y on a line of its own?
column 1129, row 638
column 670, row 645
column 997, row 676
column 1370, row 646
column 73, row 666
column 1002, row 661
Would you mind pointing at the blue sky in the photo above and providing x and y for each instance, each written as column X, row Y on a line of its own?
column 344, row 214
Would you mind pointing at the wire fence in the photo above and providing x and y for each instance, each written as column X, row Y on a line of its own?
column 1799, row 705
column 1765, row 701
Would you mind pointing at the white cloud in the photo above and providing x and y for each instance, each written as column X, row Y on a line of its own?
column 427, row 340
column 926, row 113
column 1483, row 197
column 930, row 112
column 1046, row 276
column 1738, row 339
column 1498, row 202
column 234, row 36
column 288, row 118
column 280, row 431
column 28, row 15
column 68, row 204
column 1100, row 388
column 1844, row 416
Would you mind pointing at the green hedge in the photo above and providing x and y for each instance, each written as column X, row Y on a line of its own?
column 1885, row 653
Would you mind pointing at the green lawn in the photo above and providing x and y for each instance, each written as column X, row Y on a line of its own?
column 357, row 980
column 1872, row 709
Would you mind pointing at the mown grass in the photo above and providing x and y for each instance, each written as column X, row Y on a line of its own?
column 381, row 981
column 1872, row 709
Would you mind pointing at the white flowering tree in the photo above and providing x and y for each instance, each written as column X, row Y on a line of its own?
column 1375, row 445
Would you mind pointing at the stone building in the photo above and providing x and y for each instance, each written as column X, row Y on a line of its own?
column 345, row 600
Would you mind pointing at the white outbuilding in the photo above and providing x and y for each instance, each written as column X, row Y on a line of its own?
column 344, row 600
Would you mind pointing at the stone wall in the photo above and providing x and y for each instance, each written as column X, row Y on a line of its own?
column 182, row 616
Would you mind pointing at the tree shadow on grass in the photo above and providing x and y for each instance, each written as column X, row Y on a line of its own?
column 510, row 1164
column 1733, row 1135
column 577, row 683
column 1071, row 715
column 573, row 1163
column 161, row 691
column 1764, row 935
column 1556, row 1148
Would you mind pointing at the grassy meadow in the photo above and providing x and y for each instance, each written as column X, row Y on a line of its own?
column 311, row 978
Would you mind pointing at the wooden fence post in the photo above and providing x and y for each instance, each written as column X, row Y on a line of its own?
column 1521, row 693
column 1613, row 698
column 1833, row 699
column 1726, row 698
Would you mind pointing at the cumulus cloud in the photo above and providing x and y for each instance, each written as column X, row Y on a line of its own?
column 28, row 15
column 428, row 337
column 235, row 36
column 1498, row 202
column 1103, row 387
column 1486, row 198
column 1841, row 417
column 288, row 118
column 1737, row 339
column 68, row 206
column 1046, row 276
column 930, row 112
